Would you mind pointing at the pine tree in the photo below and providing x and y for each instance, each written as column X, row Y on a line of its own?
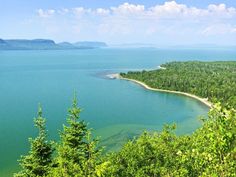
column 39, row 160
column 77, row 152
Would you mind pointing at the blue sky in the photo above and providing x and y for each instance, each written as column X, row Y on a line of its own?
column 180, row 22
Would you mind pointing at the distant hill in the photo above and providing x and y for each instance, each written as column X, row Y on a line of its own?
column 91, row 44
column 134, row 45
column 3, row 44
column 2, row 41
column 66, row 45
column 46, row 44
column 31, row 44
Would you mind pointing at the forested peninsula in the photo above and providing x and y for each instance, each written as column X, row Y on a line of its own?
column 215, row 81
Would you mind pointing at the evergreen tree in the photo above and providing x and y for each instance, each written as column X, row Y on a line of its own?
column 39, row 159
column 77, row 154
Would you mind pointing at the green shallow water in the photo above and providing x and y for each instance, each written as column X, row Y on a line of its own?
column 117, row 110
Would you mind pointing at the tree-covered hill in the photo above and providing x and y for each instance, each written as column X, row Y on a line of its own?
column 213, row 80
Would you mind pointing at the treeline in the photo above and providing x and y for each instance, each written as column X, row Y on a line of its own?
column 213, row 80
column 209, row 151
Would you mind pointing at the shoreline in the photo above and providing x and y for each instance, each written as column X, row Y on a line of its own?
column 202, row 100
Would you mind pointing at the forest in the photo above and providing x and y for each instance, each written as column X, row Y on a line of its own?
column 213, row 80
column 208, row 151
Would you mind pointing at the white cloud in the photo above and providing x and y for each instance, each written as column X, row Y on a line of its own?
column 221, row 11
column 217, row 8
column 128, row 9
column 169, row 9
column 219, row 29
column 128, row 21
column 101, row 11
column 46, row 13
column 79, row 11
column 172, row 9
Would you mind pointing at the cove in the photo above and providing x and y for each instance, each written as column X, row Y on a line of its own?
column 116, row 109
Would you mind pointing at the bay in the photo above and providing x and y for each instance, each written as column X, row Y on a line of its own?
column 117, row 110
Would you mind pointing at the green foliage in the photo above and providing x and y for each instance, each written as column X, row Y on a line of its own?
column 39, row 160
column 214, row 145
column 213, row 80
column 76, row 153
column 210, row 151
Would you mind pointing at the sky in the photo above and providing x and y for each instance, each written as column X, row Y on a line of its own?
column 158, row 22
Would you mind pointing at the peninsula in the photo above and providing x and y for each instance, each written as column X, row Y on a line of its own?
column 199, row 80
column 203, row 100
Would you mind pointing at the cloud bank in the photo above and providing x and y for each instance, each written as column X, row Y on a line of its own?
column 161, row 24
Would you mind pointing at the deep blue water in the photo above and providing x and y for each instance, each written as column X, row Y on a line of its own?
column 115, row 109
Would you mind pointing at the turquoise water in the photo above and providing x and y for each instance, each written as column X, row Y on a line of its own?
column 115, row 109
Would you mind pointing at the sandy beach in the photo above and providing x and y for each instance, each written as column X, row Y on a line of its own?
column 203, row 100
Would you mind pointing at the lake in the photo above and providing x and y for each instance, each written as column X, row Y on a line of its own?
column 117, row 110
